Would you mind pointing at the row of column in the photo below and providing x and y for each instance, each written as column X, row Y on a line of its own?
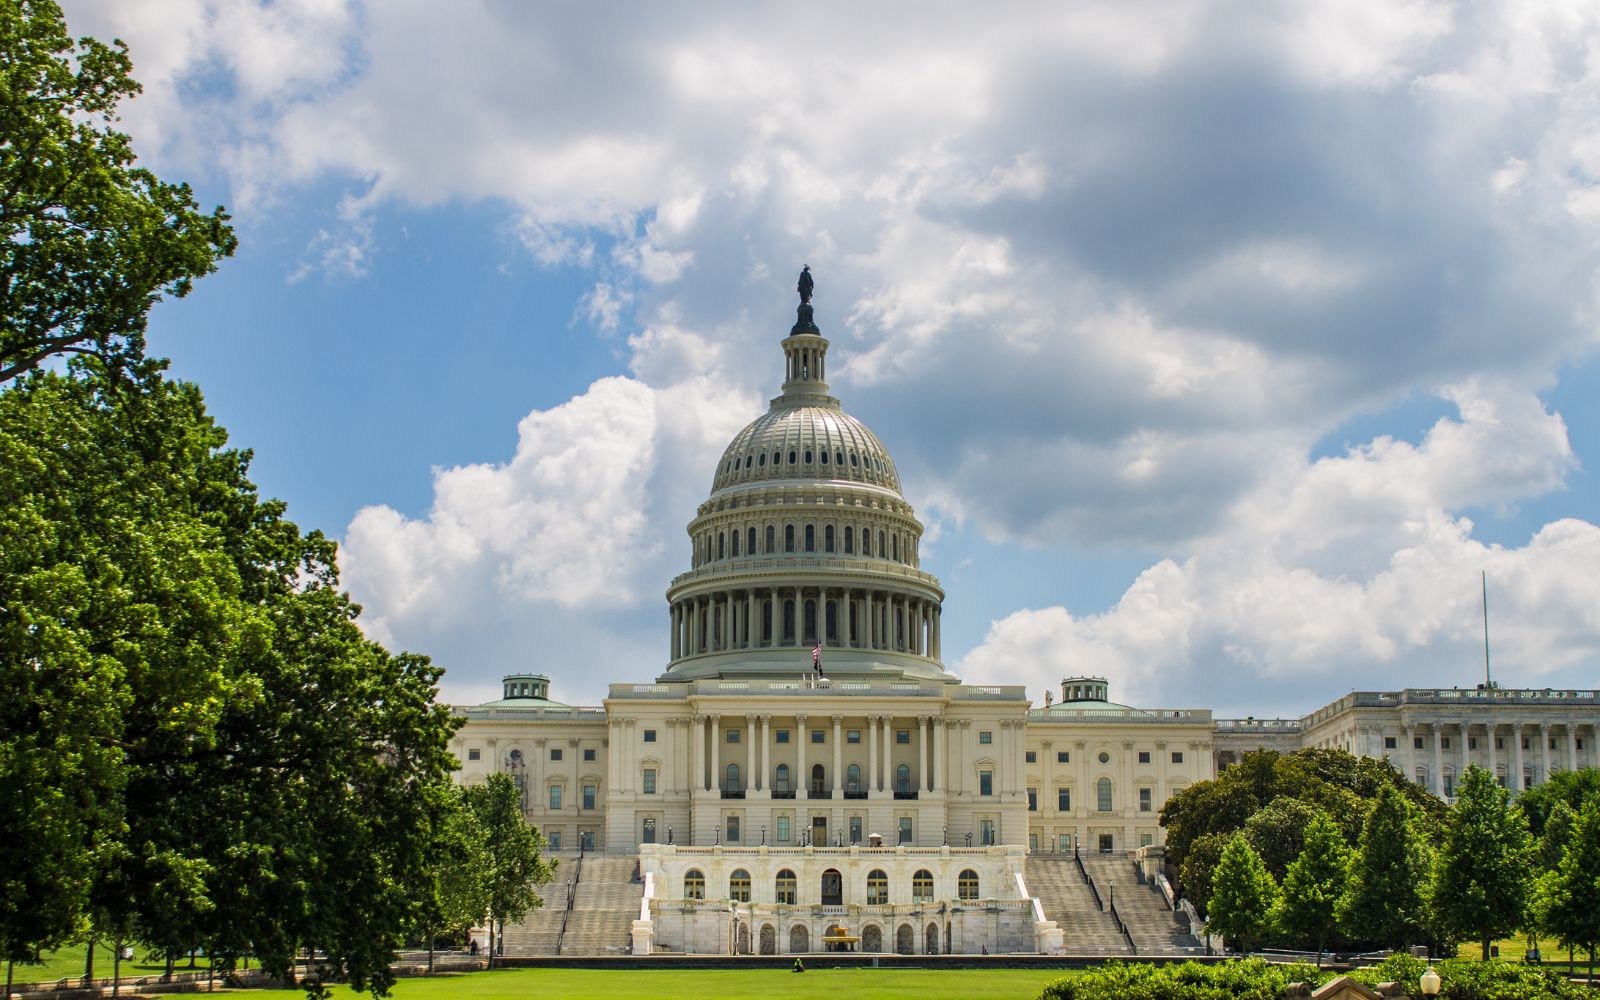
column 708, row 769
column 1461, row 752
column 739, row 620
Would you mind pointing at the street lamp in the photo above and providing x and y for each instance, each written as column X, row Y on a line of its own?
column 969, row 839
column 946, row 841
column 763, row 836
column 1430, row 983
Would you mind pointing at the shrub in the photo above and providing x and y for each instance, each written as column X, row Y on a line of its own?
column 1249, row 979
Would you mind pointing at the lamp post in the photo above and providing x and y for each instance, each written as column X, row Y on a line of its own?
column 1429, row 983
column 969, row 839
column 763, row 836
column 669, row 836
column 946, row 841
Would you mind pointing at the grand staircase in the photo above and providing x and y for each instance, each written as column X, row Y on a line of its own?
column 605, row 902
column 1155, row 929
column 1086, row 929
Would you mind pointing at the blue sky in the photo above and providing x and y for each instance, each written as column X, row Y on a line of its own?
column 1220, row 349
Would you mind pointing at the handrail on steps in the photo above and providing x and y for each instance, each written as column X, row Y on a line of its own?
column 572, row 895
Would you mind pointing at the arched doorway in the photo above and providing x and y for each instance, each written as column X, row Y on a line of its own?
column 741, row 940
column 931, row 945
column 905, row 940
column 832, row 888
column 799, row 939
column 769, row 939
column 871, row 938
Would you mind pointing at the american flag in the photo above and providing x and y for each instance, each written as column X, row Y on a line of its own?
column 816, row 657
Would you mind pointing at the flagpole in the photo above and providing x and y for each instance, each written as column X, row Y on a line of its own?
column 1487, row 684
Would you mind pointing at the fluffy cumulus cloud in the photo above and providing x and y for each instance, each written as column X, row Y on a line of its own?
column 1103, row 276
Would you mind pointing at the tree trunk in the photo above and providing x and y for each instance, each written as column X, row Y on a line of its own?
column 11, row 965
column 1486, row 948
column 88, row 963
column 430, row 952
column 116, row 970
column 172, row 963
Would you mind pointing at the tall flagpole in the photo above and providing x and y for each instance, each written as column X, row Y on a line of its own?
column 1487, row 684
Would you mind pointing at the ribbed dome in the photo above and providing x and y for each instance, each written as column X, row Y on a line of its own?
column 806, row 442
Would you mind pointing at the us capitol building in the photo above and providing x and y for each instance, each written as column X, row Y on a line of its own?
column 746, row 802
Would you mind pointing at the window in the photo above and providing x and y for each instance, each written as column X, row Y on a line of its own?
column 792, row 458
column 1472, row 743
column 739, row 886
column 877, row 888
column 1104, row 757
column 733, row 829
column 553, row 838
column 589, row 755
column 922, row 886
column 648, row 836
column 855, row 829
column 985, row 736
column 590, row 793
column 750, row 537
column 555, row 753
column 967, row 884
column 785, row 885
column 902, row 737
column 733, row 736
column 1444, row 743
column 905, row 830
column 1145, row 840
column 788, row 538
column 1416, row 743
column 1030, row 757
column 1144, row 800
column 1500, row 744
column 473, row 754
column 772, row 541
column 852, row 736
column 1525, row 745
column 1552, row 743
column 555, row 796
column 1449, row 785
column 694, row 884
column 649, row 735
column 849, row 540
column 1033, row 800
column 732, row 782
column 985, row 782
column 782, row 736
column 827, row 538
column 817, row 735
column 1144, row 756
column 1391, row 743
column 1177, row 756
column 649, row 781
column 902, row 779
column 1063, row 800
column 852, row 779
column 783, row 829
column 1063, row 757
column 811, row 538
column 1103, row 794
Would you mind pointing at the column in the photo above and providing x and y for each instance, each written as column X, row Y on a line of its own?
column 872, row 754
column 838, row 756
column 799, row 617
column 872, row 632
column 1128, row 797
column 677, row 630
column 1047, row 781
column 1572, row 746
column 1489, row 734
column 1516, row 757
column 727, row 621
column 752, row 634
column 716, row 754
column 1161, row 775
column 938, row 647
column 886, row 773
column 922, row 754
column 698, row 745
column 1438, row 760
column 1466, row 761
column 803, row 778
column 750, row 752
column 774, row 617
column 847, row 605
column 1544, row 751
column 937, row 780
column 766, row 753
column 625, row 755
column 1407, row 755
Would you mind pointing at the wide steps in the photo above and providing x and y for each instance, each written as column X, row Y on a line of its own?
column 1154, row 927
column 1085, row 928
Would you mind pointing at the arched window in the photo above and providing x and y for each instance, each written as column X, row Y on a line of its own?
column 732, row 784
column 761, row 460
column 788, row 621
column 750, row 542
column 720, row 539
column 824, row 458
column 694, row 884
column 739, row 886
column 827, row 538
column 811, row 621
column 902, row 779
column 838, row 458
column 877, row 888
column 894, row 540
column 866, row 543
column 852, row 778
column 791, row 458
column 967, row 884
column 777, row 457
column 788, row 538
column 808, row 456
column 733, row 543
column 922, row 886
column 1102, row 791
column 772, row 539
column 849, row 541
column 780, row 782
column 819, row 778
column 881, row 545
column 786, row 886
column 811, row 538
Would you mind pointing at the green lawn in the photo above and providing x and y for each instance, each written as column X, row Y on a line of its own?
column 68, row 963
column 716, row 984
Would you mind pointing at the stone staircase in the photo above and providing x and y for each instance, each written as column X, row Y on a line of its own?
column 1156, row 930
column 540, row 930
column 1086, row 929
column 605, row 908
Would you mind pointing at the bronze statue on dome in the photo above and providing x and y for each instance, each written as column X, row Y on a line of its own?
column 806, row 284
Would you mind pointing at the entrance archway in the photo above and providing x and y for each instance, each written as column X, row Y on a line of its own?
column 741, row 940
column 832, row 888
column 905, row 940
column 799, row 939
column 932, row 942
column 769, row 939
column 871, row 938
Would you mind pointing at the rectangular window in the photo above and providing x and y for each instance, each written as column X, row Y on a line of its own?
column 1449, row 785
column 1144, row 800
column 985, row 782
column 782, row 736
column 1103, row 793
column 649, row 834
column 1416, row 743
column 902, row 737
column 852, row 736
column 649, row 735
column 589, row 755
column 818, row 736
column 1144, row 756
column 1580, row 743
column 855, row 829
column 473, row 754
column 783, row 829
column 1499, row 744
column 1030, row 757
column 590, row 793
column 555, row 753
column 733, row 829
column 1064, row 843
column 1145, row 840
column 733, row 736
column 986, row 832
column 905, row 830
column 1064, row 800
column 1063, row 757
column 555, row 796
column 1177, row 756
column 1390, row 743
column 1552, row 742
column 1525, row 745
column 649, row 781
column 553, row 838
column 1444, row 742
column 1472, row 743
column 985, row 736
column 1033, row 800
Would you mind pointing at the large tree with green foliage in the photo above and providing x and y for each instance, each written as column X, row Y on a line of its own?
column 1243, row 895
column 1481, row 882
column 1567, row 895
column 88, row 241
column 456, row 886
column 1314, row 885
column 514, row 867
column 1386, row 898
column 1277, row 832
column 1571, row 787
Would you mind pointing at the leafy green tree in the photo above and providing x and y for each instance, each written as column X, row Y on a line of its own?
column 1199, row 865
column 1385, row 900
column 1277, row 832
column 1568, row 894
column 1243, row 895
column 1314, row 884
column 1571, row 787
column 1481, row 882
column 515, row 866
column 1558, row 827
column 88, row 241
column 457, row 888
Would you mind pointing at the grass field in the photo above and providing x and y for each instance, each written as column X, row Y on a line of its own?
column 68, row 963
column 717, row 984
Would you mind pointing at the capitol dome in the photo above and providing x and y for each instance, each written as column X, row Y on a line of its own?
column 805, row 543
